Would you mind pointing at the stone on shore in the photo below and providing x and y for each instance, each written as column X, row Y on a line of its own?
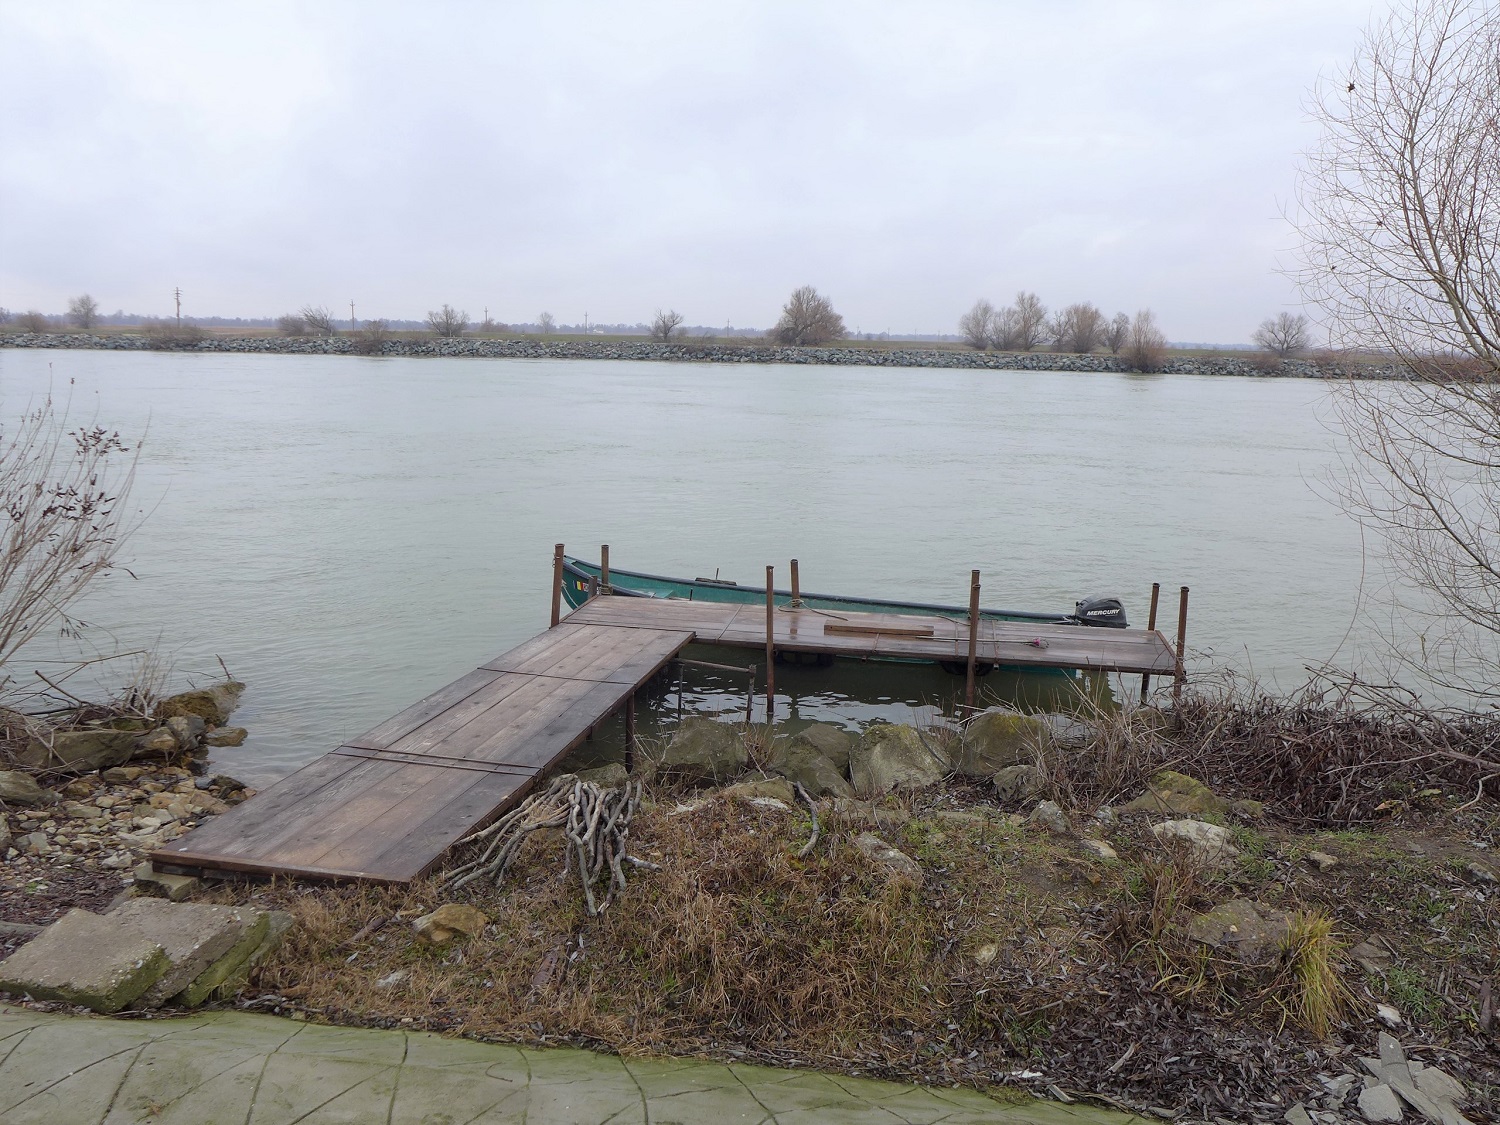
column 161, row 884
column 1020, row 783
column 1251, row 929
column 1179, row 795
column 79, row 751
column 799, row 759
column 20, row 788
column 889, row 757
column 226, row 736
column 704, row 751
column 450, row 920
column 194, row 936
column 828, row 739
column 993, row 740
column 87, row 960
column 213, row 704
column 897, row 863
column 187, row 730
column 1208, row 842
column 1049, row 815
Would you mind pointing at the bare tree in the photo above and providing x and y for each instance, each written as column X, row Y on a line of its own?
column 1399, row 215
column 370, row 340
column 1283, row 335
column 4, row 315
column 319, row 320
column 1005, row 333
column 808, row 319
column 1116, row 332
column 1145, row 345
column 448, row 322
column 1077, row 328
column 545, row 324
column 65, row 492
column 291, row 325
column 664, row 324
column 84, row 311
column 978, row 325
column 1030, row 322
column 33, row 321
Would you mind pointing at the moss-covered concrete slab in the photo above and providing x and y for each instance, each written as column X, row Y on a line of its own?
column 221, row 1067
column 85, row 959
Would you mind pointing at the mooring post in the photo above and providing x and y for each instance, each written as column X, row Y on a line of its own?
column 750, row 697
column 796, row 587
column 557, row 581
column 604, row 570
column 973, row 636
column 1150, row 628
column 630, row 734
column 1180, row 672
column 770, row 643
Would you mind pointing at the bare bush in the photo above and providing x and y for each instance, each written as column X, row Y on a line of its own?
column 808, row 319
column 1283, row 335
column 5, row 315
column 664, row 324
column 1399, row 216
column 65, row 493
column 33, row 321
column 171, row 335
column 1077, row 328
column 319, row 320
column 1022, row 326
column 84, row 311
column 448, row 322
column 1116, row 332
column 1145, row 345
column 545, row 324
column 291, row 325
column 371, row 339
column 978, row 325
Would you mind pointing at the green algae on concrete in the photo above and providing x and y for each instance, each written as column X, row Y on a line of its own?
column 216, row 1068
column 85, row 959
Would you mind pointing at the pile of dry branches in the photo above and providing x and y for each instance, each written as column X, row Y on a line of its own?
column 595, row 822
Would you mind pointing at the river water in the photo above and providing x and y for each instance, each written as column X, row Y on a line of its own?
column 349, row 534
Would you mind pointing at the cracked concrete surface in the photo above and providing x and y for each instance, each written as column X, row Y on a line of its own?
column 237, row 1068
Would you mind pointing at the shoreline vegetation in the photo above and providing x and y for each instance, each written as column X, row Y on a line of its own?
column 886, row 353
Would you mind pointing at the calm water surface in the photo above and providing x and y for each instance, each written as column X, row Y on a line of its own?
column 349, row 534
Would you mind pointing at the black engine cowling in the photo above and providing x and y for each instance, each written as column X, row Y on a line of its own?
column 1101, row 612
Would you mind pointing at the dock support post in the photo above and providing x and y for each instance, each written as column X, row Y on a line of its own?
column 770, row 644
column 750, row 697
column 630, row 734
column 604, row 570
column 973, row 637
column 1150, row 628
column 557, row 581
column 1180, row 672
column 796, row 587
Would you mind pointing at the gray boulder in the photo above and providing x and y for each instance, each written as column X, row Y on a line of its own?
column 888, row 757
column 1208, row 842
column 212, row 704
column 1251, row 929
column 17, row 788
column 1050, row 816
column 993, row 740
column 833, row 742
column 226, row 736
column 80, row 751
column 1020, row 783
column 705, row 751
column 187, row 730
column 798, row 759
column 897, row 864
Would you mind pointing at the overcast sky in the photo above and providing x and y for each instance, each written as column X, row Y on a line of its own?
column 612, row 158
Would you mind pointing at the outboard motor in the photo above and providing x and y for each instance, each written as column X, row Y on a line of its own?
column 1101, row 612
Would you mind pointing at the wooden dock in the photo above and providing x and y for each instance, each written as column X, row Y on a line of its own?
column 386, row 806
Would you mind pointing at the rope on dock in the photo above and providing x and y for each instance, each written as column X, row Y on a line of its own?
column 595, row 823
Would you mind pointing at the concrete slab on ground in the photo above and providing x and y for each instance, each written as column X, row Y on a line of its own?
column 214, row 1068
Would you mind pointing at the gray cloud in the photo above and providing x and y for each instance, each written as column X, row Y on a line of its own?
column 905, row 158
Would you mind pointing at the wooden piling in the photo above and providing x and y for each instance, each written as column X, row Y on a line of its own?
column 796, row 587
column 604, row 570
column 973, row 637
column 1179, row 675
column 1150, row 628
column 557, row 581
column 630, row 734
column 770, row 644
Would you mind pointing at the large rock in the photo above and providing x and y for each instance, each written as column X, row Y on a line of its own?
column 85, row 959
column 799, row 759
column 17, row 788
column 80, row 751
column 213, row 704
column 888, row 757
column 705, row 751
column 1208, row 842
column 450, row 920
column 1020, row 783
column 1177, row 794
column 993, row 740
column 1251, row 929
column 833, row 742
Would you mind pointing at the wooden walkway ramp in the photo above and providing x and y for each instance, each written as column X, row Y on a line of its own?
column 384, row 807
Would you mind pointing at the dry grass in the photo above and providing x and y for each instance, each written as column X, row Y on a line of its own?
column 1318, row 995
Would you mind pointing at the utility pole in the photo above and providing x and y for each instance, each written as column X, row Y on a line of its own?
column 177, row 296
column 353, row 324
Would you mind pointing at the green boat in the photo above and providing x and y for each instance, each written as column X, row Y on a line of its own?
column 580, row 578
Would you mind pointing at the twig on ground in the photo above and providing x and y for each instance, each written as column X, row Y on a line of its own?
column 812, row 809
